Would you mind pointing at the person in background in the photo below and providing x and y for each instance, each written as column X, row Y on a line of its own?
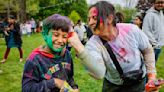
column 12, row 37
column 28, row 28
column 23, row 28
column 138, row 21
column 127, row 43
column 49, row 68
column 33, row 25
column 81, row 31
column 153, row 26
column 119, row 17
column 39, row 25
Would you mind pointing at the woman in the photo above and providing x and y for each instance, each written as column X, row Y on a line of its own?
column 138, row 21
column 114, row 52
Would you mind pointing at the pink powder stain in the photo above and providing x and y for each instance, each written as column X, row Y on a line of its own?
column 122, row 52
column 124, row 27
column 123, row 30
column 94, row 11
column 47, row 76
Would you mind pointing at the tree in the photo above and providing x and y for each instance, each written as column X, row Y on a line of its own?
column 74, row 16
column 63, row 7
column 127, row 12
column 129, row 3
column 7, row 6
column 32, row 7
column 144, row 5
column 82, row 8
column 44, row 8
column 22, row 11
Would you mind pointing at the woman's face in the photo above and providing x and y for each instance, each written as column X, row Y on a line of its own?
column 103, row 27
column 59, row 38
column 137, row 21
column 92, row 19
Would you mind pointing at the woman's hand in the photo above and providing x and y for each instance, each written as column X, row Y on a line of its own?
column 75, row 42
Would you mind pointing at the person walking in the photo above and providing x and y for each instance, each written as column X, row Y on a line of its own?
column 12, row 38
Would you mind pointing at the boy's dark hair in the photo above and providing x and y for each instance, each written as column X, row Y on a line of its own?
column 56, row 22
column 104, row 10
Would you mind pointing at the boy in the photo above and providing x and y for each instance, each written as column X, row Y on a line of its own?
column 50, row 67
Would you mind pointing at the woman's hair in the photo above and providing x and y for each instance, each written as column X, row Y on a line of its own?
column 56, row 22
column 140, row 17
column 104, row 10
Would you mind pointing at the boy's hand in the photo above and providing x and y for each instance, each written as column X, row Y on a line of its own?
column 67, row 88
column 76, row 90
column 59, row 83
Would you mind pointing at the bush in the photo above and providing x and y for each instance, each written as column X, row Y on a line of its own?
column 74, row 16
column 127, row 12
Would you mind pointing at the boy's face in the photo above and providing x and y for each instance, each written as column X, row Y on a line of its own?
column 59, row 38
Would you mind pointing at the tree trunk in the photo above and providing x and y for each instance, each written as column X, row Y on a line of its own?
column 8, row 9
column 22, row 11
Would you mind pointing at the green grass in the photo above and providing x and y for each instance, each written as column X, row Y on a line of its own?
column 10, row 79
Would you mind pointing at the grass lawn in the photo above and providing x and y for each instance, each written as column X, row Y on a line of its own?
column 10, row 79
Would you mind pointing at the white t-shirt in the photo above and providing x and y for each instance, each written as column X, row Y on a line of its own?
column 126, row 47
